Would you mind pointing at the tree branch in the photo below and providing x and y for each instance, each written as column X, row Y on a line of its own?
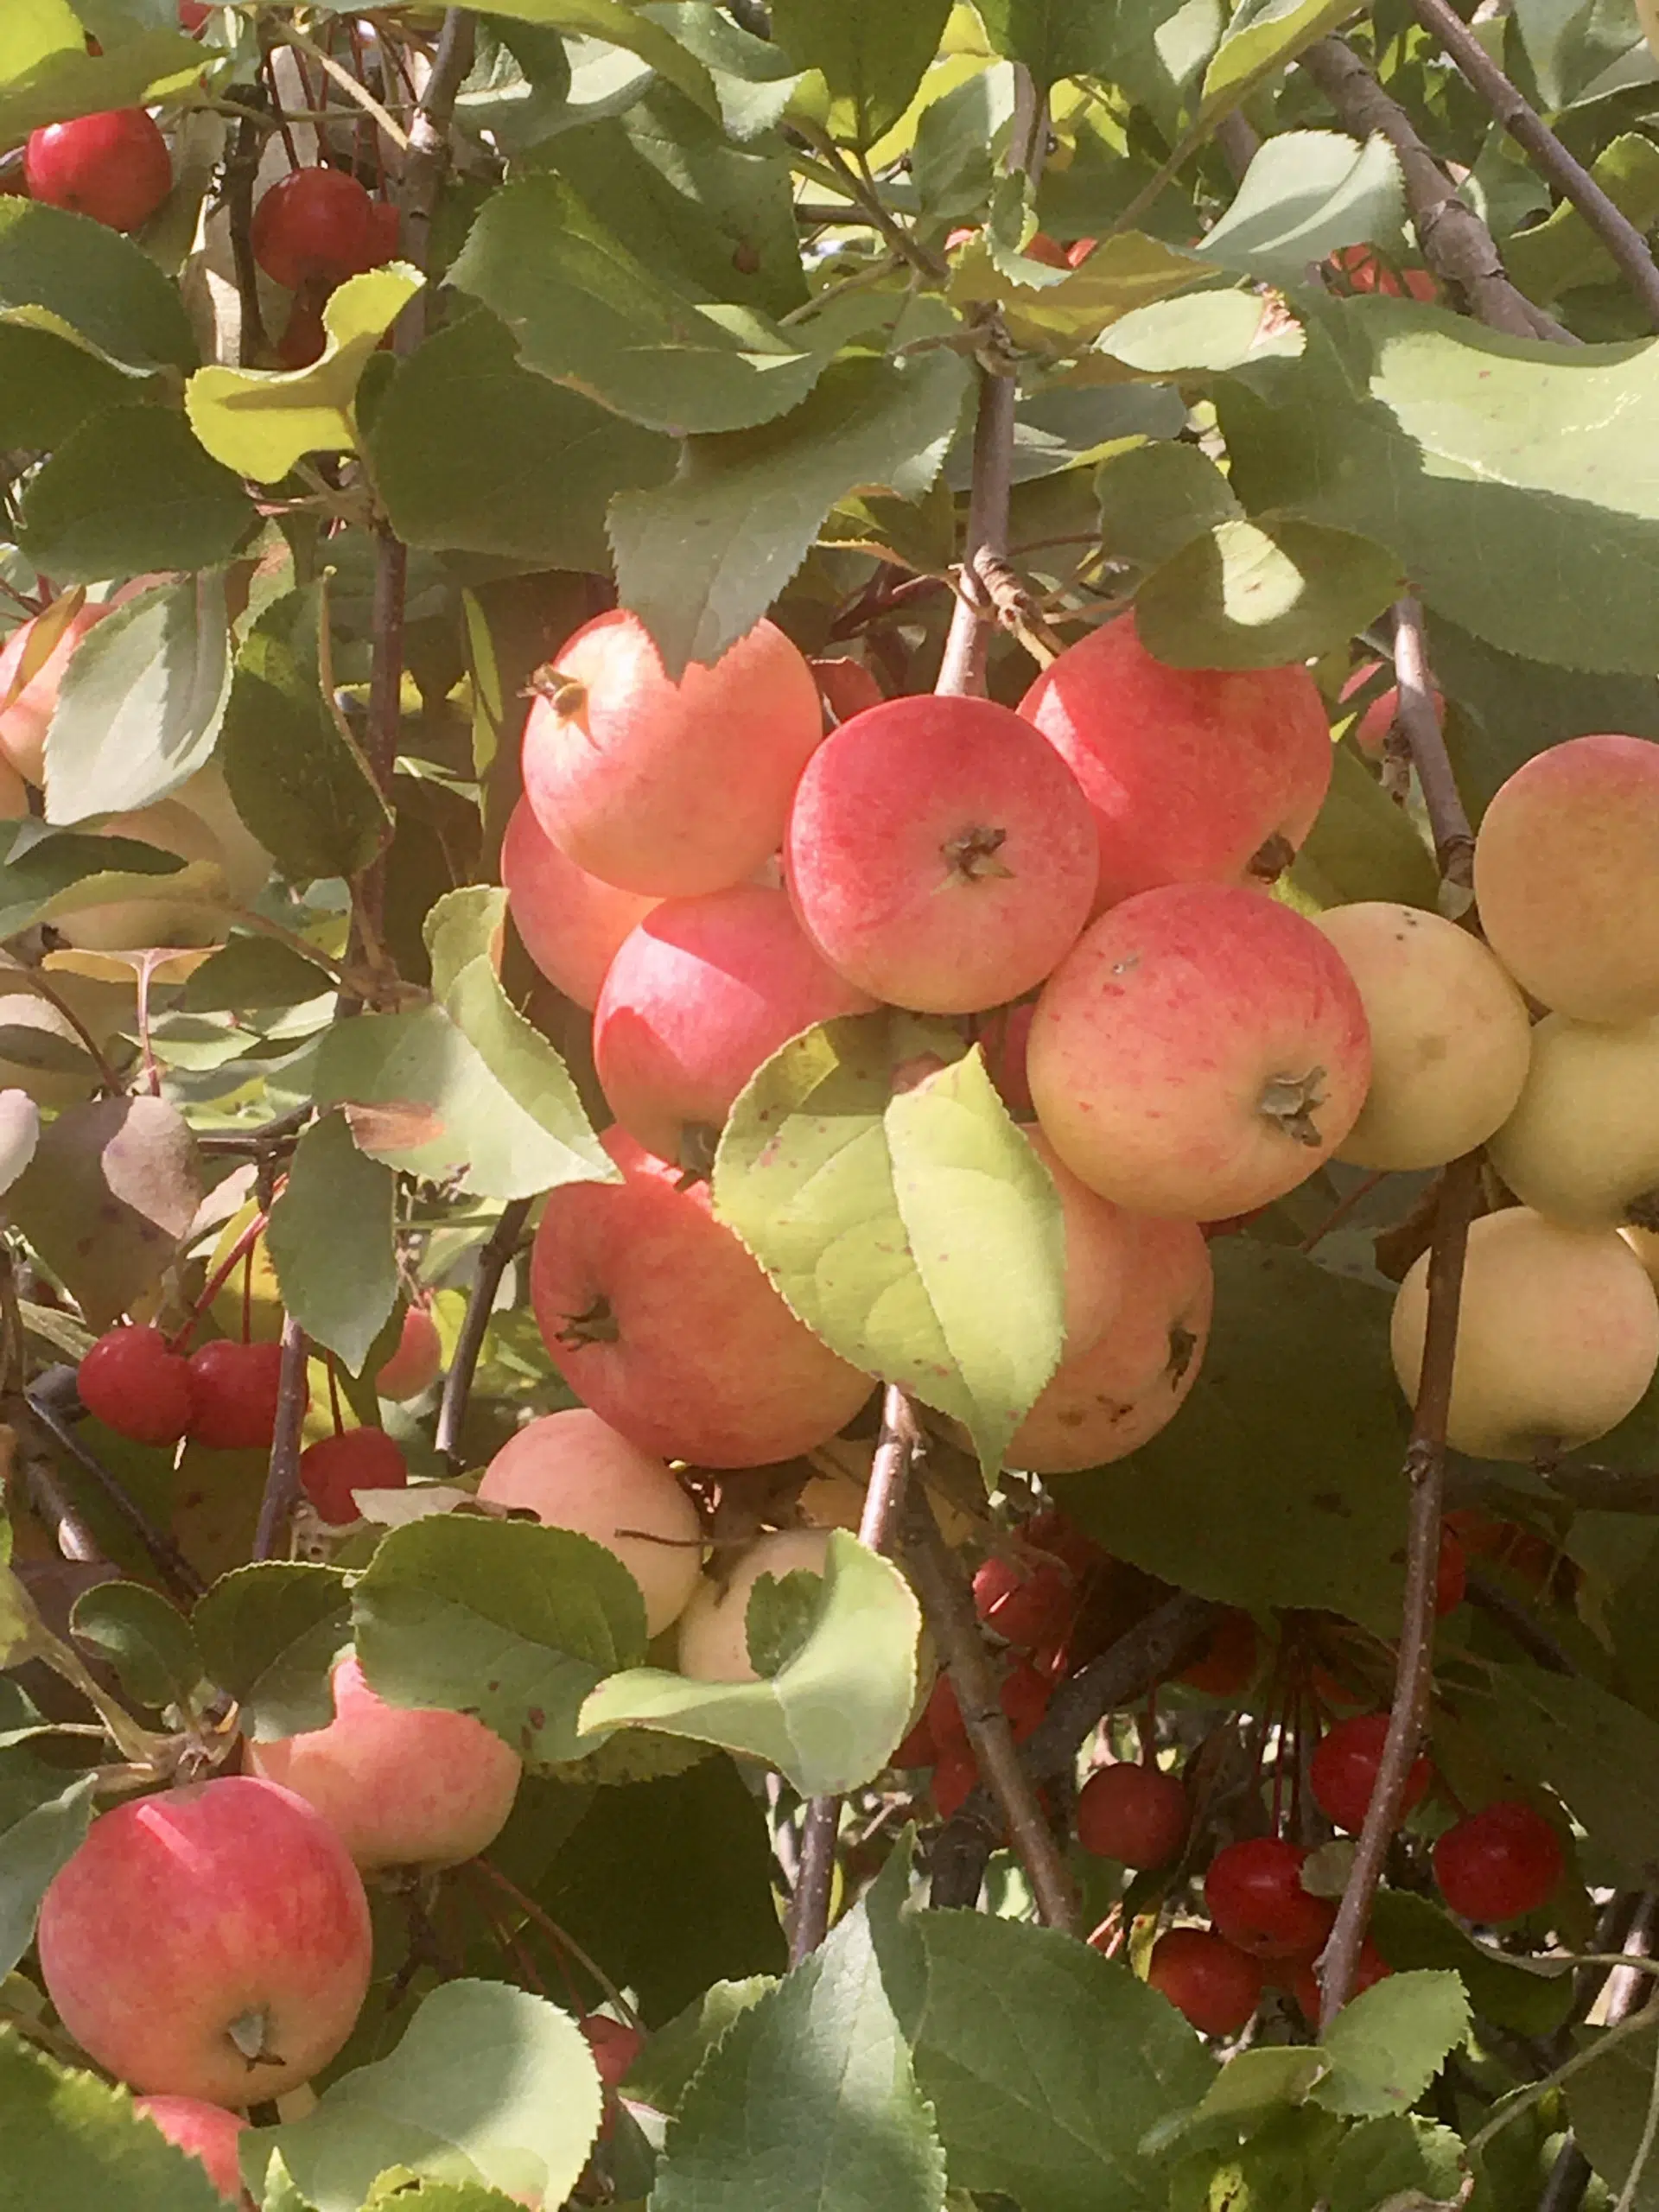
column 1419, row 718
column 427, row 163
column 884, row 1509
column 180, row 1578
column 492, row 1261
column 1415, row 1669
column 948, row 1608
column 282, row 1482
column 1455, row 243
column 1623, row 242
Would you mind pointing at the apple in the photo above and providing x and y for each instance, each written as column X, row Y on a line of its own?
column 210, row 1942
column 114, row 167
column 204, row 2132
column 1100, row 1248
column 667, row 788
column 1582, row 1145
column 1199, row 1053
column 1450, row 1034
column 1110, row 1398
column 714, row 1643
column 26, row 702
column 939, row 855
column 313, row 228
column 573, row 1470
column 1370, row 731
column 400, row 1785
column 1558, row 1336
column 700, row 993
column 1565, row 881
column 571, row 923
column 415, row 1365
column 661, row 1321
column 1195, row 775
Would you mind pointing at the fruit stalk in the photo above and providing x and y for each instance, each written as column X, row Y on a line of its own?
column 283, row 1481
column 947, row 1609
column 1419, row 718
column 503, row 1242
column 1414, row 1670
column 882, row 1518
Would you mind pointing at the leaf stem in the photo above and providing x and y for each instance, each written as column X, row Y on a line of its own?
column 1414, row 1668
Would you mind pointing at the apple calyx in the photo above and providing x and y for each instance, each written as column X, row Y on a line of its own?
column 566, row 695
column 972, row 854
column 248, row 2031
column 699, row 1141
column 596, row 1326
column 1292, row 1102
column 1182, row 1346
column 1643, row 1211
column 1270, row 859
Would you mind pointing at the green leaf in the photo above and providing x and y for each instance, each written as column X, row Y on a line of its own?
column 1562, row 252
column 38, row 1834
column 74, row 2141
column 262, row 422
column 1046, row 2065
column 1383, row 2162
column 619, row 26
column 509, row 1620
column 951, row 164
column 1305, row 194
column 871, row 55
column 269, row 1635
column 20, row 1137
column 1362, row 846
column 781, row 1612
column 1123, row 273
column 829, row 1719
column 1261, row 594
column 1415, row 1932
column 1600, row 1754
column 148, row 1643
column 1053, row 38
column 587, row 312
column 1491, row 466
column 1196, row 337
column 813, row 2082
column 108, row 1199
column 662, row 2071
column 1239, row 1502
column 85, row 282
column 1387, row 2044
column 701, row 559
column 303, row 792
column 49, row 386
column 332, row 1241
column 130, row 491
column 1157, row 498
column 252, row 972
column 488, row 2084
column 140, row 708
column 1608, row 2103
column 669, row 1884
column 472, row 454
column 754, row 80
column 849, row 1169
column 1261, row 37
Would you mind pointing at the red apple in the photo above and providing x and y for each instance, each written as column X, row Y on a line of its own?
column 699, row 993
column 313, row 228
column 210, row 1942
column 939, row 856
column 656, row 1315
column 414, row 1367
column 668, row 788
column 114, row 167
column 1200, row 1052
column 1120, row 1391
column 400, row 1785
column 1195, row 775
column 1101, row 1242
column 571, row 922
column 572, row 1471
column 204, row 2132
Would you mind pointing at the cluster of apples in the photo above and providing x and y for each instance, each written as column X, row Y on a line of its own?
column 1558, row 1331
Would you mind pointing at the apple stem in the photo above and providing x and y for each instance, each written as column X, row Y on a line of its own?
column 241, row 1250
column 1414, row 1668
column 1419, row 716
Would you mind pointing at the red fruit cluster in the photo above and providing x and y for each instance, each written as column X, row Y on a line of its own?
column 224, row 1395
column 1343, row 1771
column 311, row 230
column 1136, row 1815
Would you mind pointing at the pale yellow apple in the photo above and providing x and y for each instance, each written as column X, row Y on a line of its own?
column 1558, row 1336
column 1449, row 1034
column 1582, row 1145
column 714, row 1643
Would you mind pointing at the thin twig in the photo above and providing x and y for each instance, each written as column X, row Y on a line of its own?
column 52, row 1503
column 1625, row 245
column 1455, row 243
column 558, row 1936
column 1491, row 1598
column 1419, row 715
column 428, row 162
column 241, row 175
column 1414, row 1672
column 283, row 1481
column 879, row 1524
column 492, row 1261
column 171, row 1563
column 348, row 84
column 948, row 1608
column 1605, row 1490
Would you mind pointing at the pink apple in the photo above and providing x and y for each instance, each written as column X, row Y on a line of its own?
column 573, row 1470
column 659, row 1319
column 204, row 2132
column 1199, row 1053
column 1100, row 1245
column 698, row 996
column 714, row 1631
column 26, row 711
column 210, row 1942
column 668, row 788
column 1565, row 878
column 413, row 1366
column 400, row 1785
column 1196, row 775
column 571, row 922
column 1109, row 1399
column 939, row 855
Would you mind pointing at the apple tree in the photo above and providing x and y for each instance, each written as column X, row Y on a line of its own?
column 829, row 1105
